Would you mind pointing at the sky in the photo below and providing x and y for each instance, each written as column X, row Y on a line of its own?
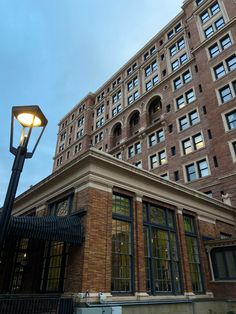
column 53, row 52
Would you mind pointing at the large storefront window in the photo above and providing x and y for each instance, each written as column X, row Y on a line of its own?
column 122, row 275
column 193, row 254
column 161, row 251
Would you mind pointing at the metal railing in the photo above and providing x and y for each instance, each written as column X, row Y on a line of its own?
column 35, row 304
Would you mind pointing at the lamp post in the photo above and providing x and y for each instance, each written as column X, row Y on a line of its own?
column 29, row 118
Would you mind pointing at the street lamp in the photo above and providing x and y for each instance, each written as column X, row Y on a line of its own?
column 28, row 118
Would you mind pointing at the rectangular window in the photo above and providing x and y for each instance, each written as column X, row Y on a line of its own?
column 156, row 137
column 192, row 143
column 193, row 253
column 231, row 120
column 225, row 94
column 187, row 98
column 209, row 31
column 122, row 259
column 197, row 170
column 231, row 63
column 188, row 120
column 221, row 45
column 190, row 97
column 162, row 157
column 161, row 251
column 223, row 262
column 183, row 79
column 219, row 70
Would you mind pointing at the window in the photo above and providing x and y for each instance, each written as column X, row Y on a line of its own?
column 176, row 175
column 116, row 97
column 182, row 79
column 232, row 146
column 180, row 44
column 221, row 45
column 98, row 137
column 175, row 30
column 164, row 176
column 199, row 2
column 161, row 250
column 116, row 110
column 133, row 83
column 152, row 83
column 151, row 68
column 211, row 11
column 138, row 164
column 157, row 137
column 158, row 159
column 177, row 63
column 122, row 258
column 193, row 253
column 231, row 120
column 100, row 110
column 133, row 97
column 188, row 120
column 80, row 133
column 223, row 262
column 227, row 92
column 231, row 63
column 187, row 98
column 192, row 143
column 100, row 122
column 197, row 170
column 134, row 149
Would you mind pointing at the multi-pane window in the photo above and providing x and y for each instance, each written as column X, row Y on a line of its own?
column 116, row 97
column 192, row 143
column 184, row 99
column 132, row 83
column 192, row 247
column 177, row 63
column 132, row 68
column 134, row 149
column 157, row 137
column 219, row 46
column 100, row 110
column 122, row 259
column 116, row 110
column 197, row 170
column 133, row 97
column 98, row 137
column 225, row 66
column 19, row 264
column 80, row 122
column 54, row 267
column 182, row 79
column 175, row 30
column 223, row 262
column 80, row 133
column 78, row 147
column 161, row 250
column 231, row 120
column 218, row 24
column 227, row 92
column 211, row 11
column 151, row 68
column 152, row 83
column 188, row 120
column 149, row 53
column 180, row 44
column 100, row 122
column 158, row 159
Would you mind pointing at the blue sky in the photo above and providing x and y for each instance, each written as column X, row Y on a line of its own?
column 53, row 52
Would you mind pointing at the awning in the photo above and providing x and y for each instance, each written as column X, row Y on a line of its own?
column 67, row 229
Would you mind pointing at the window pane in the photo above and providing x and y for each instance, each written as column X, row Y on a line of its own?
column 191, row 173
column 203, row 168
column 121, row 205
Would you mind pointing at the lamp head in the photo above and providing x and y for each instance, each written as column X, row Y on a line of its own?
column 29, row 117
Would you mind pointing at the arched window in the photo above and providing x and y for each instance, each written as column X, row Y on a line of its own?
column 116, row 135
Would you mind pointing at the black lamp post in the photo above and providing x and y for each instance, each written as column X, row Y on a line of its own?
column 29, row 118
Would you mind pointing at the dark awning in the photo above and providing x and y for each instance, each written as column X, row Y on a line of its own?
column 67, row 229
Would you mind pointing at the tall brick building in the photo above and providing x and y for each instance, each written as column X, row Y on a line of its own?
column 171, row 108
column 117, row 232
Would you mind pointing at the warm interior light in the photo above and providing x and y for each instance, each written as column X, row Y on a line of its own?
column 28, row 119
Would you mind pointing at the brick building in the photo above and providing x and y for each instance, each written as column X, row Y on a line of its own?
column 147, row 243
column 165, row 110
